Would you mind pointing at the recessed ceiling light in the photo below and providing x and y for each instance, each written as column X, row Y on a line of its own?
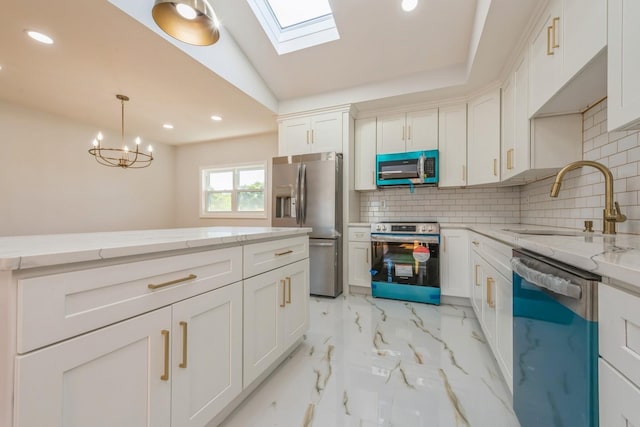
column 167, row 126
column 216, row 118
column 42, row 38
column 409, row 5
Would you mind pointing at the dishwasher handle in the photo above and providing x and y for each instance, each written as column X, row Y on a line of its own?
column 550, row 282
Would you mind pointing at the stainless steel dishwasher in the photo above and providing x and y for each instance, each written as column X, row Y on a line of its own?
column 555, row 343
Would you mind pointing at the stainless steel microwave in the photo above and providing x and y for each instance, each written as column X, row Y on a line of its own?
column 412, row 168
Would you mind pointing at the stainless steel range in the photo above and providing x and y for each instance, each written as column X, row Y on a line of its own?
column 405, row 261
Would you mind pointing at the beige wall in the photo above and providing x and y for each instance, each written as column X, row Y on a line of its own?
column 50, row 184
column 190, row 158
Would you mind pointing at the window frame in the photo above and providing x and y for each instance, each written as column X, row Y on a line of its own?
column 234, row 212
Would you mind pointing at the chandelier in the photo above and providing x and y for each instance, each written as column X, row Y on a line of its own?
column 121, row 157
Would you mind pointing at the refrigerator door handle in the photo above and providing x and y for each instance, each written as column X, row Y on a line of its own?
column 303, row 194
column 298, row 216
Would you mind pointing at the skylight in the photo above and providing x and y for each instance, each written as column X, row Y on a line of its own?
column 294, row 24
column 294, row 12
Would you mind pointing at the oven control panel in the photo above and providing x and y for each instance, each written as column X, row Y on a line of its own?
column 405, row 228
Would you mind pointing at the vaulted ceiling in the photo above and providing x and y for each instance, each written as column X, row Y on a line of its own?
column 384, row 57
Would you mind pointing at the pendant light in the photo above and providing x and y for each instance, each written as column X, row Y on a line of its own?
column 190, row 21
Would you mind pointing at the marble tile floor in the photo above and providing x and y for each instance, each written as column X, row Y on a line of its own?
column 369, row 362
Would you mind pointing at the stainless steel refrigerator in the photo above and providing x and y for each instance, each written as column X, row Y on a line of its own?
column 307, row 192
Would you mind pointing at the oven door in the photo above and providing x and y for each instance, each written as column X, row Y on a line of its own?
column 406, row 267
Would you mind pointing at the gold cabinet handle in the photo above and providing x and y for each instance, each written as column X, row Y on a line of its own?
column 373, row 177
column 495, row 167
column 172, row 282
column 554, row 32
column 475, row 243
column 403, row 133
column 183, row 325
column 165, row 371
column 366, row 258
column 284, row 294
column 289, row 290
column 490, row 302
column 510, row 159
column 444, row 244
column 549, row 30
column 307, row 137
column 313, row 137
column 290, row 251
column 475, row 281
column 409, row 132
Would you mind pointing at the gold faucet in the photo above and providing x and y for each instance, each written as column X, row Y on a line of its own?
column 611, row 214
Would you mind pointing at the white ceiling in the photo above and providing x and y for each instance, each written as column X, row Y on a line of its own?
column 385, row 57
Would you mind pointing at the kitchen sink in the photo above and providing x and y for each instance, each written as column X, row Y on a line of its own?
column 543, row 232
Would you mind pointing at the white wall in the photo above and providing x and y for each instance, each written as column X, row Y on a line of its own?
column 190, row 158
column 50, row 184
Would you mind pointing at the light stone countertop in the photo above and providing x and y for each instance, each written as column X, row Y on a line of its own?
column 22, row 252
column 615, row 257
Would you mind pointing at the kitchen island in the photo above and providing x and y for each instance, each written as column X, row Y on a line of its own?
column 169, row 327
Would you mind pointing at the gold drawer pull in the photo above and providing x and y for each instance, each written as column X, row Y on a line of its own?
column 290, row 251
column 165, row 372
column 476, row 275
column 475, row 242
column 289, row 290
column 284, row 294
column 554, row 32
column 172, row 282
column 490, row 301
column 549, row 51
column 495, row 167
column 510, row 159
column 184, row 345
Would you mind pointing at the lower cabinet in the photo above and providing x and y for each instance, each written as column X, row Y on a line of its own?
column 80, row 382
column 492, row 299
column 206, row 361
column 126, row 374
column 275, row 315
column 454, row 252
column 618, row 398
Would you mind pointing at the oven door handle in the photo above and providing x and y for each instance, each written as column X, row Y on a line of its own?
column 404, row 238
column 555, row 284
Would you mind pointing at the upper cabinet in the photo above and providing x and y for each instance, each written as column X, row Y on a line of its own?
column 483, row 139
column 453, row 146
column 412, row 131
column 315, row 133
column 623, row 105
column 568, row 37
column 365, row 154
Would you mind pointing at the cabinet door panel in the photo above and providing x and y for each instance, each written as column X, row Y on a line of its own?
column 391, row 134
column 504, row 327
column 365, row 154
column 623, row 105
column 455, row 253
column 211, row 327
column 618, row 398
column 360, row 263
column 483, row 143
column 452, row 146
column 546, row 62
column 508, row 131
column 80, row 382
column 584, row 33
column 294, row 136
column 263, row 300
column 422, row 130
column 296, row 312
column 326, row 133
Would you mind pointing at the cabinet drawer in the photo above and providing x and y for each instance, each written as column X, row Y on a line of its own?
column 496, row 253
column 618, row 398
column 359, row 234
column 54, row 307
column 619, row 330
column 261, row 257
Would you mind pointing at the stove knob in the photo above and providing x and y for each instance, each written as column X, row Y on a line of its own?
column 378, row 227
column 423, row 228
column 430, row 228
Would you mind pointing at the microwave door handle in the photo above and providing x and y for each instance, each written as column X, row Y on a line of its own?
column 421, row 167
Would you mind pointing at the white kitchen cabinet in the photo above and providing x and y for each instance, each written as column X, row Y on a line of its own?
column 315, row 133
column 365, row 154
column 623, row 104
column 206, row 355
column 452, row 146
column 275, row 315
column 492, row 298
column 405, row 132
column 504, row 326
column 536, row 148
column 570, row 34
column 116, row 376
column 359, row 264
column 618, row 398
column 454, row 252
column 483, row 139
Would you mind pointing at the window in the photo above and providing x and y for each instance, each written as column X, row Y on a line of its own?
column 293, row 24
column 234, row 191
